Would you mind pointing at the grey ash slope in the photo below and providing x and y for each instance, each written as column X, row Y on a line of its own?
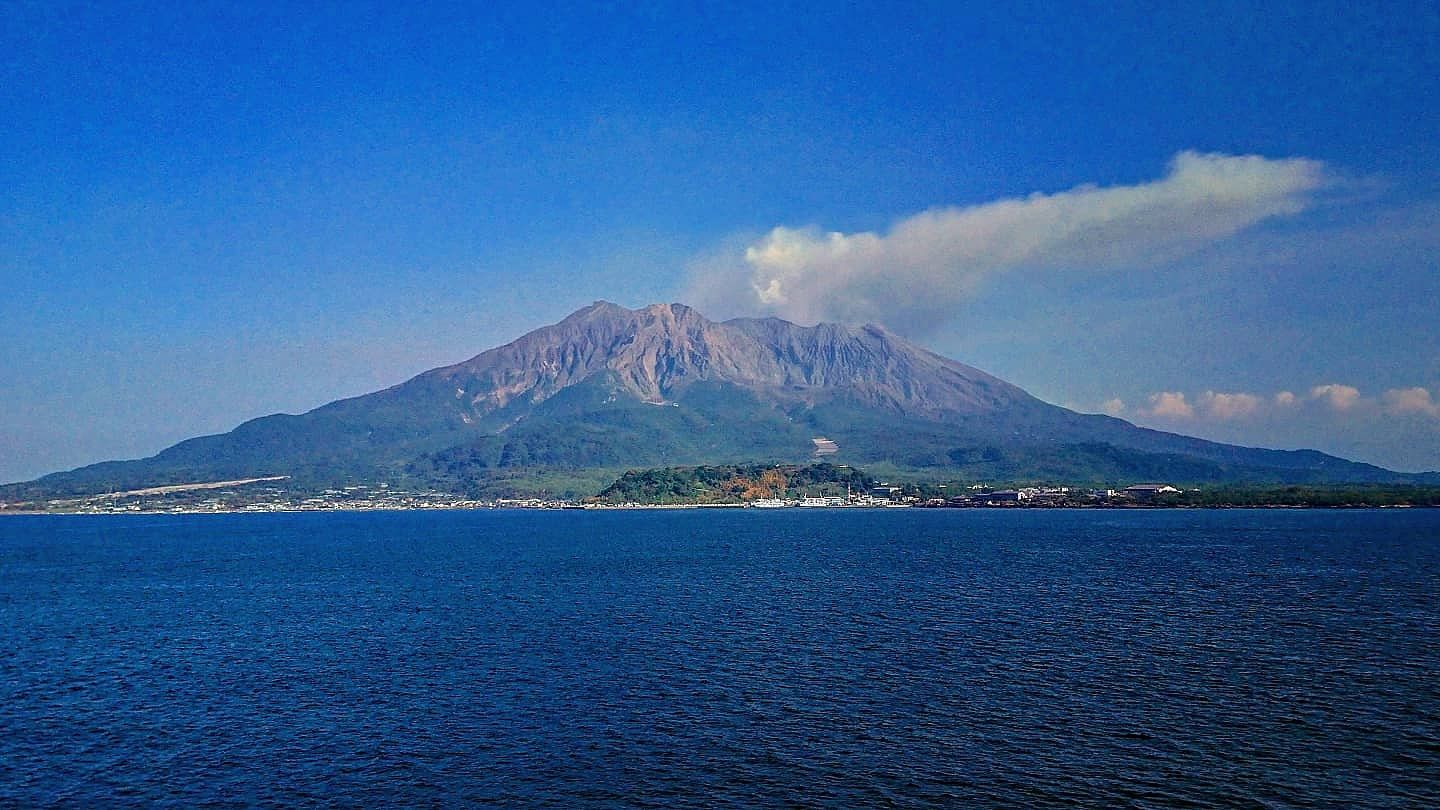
column 655, row 354
column 613, row 387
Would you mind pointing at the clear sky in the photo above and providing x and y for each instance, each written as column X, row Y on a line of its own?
column 1218, row 218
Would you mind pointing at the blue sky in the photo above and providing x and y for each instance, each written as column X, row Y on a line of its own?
column 1219, row 218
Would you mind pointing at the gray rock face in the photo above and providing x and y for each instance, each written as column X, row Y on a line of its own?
column 655, row 353
column 578, row 394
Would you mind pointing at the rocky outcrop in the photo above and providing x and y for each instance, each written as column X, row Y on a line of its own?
column 656, row 352
column 578, row 394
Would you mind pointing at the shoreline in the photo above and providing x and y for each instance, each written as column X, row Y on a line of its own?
column 725, row 506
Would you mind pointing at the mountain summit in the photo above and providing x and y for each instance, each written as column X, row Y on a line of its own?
column 657, row 353
column 610, row 387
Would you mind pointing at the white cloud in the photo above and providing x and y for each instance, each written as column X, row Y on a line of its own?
column 1229, row 406
column 1332, row 417
column 1337, row 396
column 1169, row 405
column 913, row 276
column 1211, row 405
column 1347, row 400
column 1401, row 401
column 1113, row 407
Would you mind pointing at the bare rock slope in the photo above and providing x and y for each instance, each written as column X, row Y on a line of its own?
column 614, row 387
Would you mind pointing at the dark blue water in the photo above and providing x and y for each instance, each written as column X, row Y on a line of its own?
column 837, row 658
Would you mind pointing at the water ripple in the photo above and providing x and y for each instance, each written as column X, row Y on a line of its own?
column 1147, row 659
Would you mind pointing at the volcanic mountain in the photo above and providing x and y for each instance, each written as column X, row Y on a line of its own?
column 610, row 388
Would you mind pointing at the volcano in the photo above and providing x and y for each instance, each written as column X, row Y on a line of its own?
column 610, row 388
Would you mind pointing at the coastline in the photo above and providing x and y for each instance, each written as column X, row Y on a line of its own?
column 662, row 507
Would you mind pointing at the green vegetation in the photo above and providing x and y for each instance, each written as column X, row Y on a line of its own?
column 740, row 483
column 559, row 412
column 733, row 483
column 570, row 484
column 577, row 441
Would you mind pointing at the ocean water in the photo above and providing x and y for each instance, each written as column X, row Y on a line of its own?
column 840, row 658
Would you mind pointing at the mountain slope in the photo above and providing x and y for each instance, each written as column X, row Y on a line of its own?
column 613, row 387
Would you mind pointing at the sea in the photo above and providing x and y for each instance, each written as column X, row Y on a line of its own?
column 722, row 658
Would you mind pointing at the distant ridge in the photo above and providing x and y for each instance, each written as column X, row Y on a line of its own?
column 611, row 388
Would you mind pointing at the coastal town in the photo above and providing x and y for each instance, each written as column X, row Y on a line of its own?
column 268, row 495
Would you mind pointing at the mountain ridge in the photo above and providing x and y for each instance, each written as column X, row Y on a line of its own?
column 695, row 348
column 614, row 387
